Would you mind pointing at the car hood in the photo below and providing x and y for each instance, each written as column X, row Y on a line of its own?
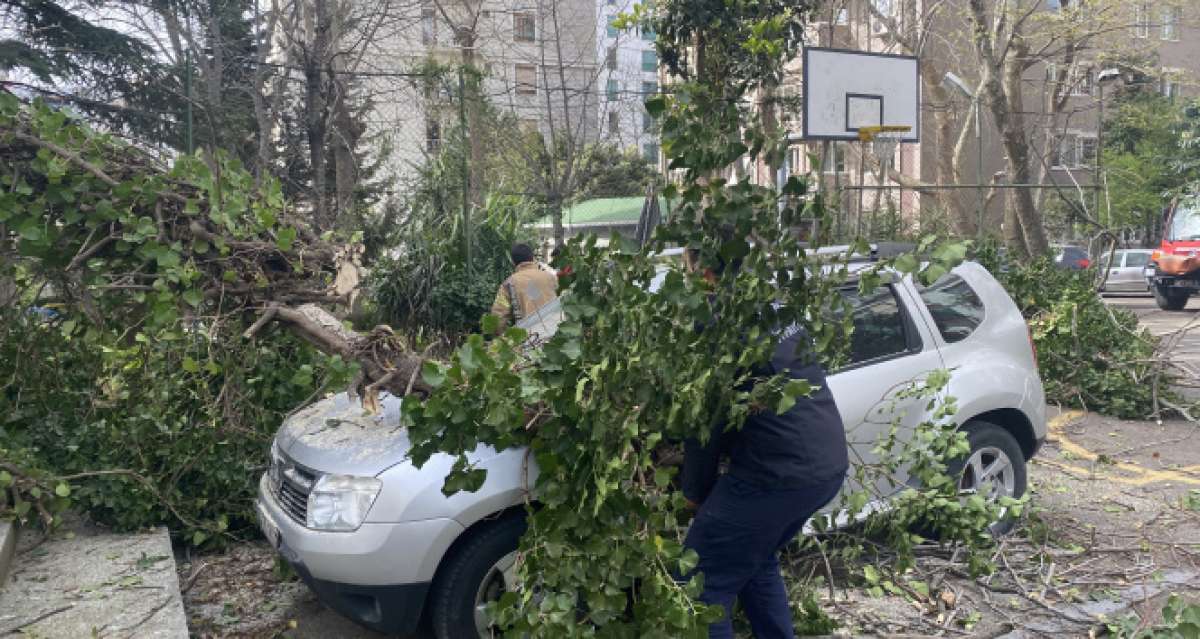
column 337, row 435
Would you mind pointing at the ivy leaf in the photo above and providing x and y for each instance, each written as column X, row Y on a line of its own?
column 284, row 239
column 432, row 374
column 62, row 489
column 193, row 297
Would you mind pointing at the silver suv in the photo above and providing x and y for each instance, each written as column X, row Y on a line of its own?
column 377, row 540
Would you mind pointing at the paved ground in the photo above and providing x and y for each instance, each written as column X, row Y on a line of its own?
column 1180, row 328
column 85, row 582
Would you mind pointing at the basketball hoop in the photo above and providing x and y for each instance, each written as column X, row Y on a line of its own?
column 883, row 140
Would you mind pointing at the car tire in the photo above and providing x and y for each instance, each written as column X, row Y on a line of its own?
column 460, row 581
column 992, row 443
column 1168, row 299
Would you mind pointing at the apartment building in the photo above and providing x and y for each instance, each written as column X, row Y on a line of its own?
column 538, row 64
column 628, row 75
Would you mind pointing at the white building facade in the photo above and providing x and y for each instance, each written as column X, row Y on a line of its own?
column 628, row 75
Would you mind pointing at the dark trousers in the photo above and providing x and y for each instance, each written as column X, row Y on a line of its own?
column 738, row 534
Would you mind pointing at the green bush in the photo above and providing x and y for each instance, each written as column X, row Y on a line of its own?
column 1090, row 355
column 178, row 421
column 425, row 283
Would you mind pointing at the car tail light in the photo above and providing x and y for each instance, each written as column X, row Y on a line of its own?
column 1155, row 255
column 1083, row 262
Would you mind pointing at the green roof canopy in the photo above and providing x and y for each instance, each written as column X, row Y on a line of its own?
column 605, row 210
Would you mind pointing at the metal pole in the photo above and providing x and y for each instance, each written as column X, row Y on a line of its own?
column 978, row 165
column 187, row 90
column 466, row 186
column 1099, row 167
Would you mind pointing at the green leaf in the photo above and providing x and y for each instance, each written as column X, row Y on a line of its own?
column 62, row 489
column 190, row 365
column 432, row 373
column 871, row 575
column 656, row 105
column 490, row 324
column 284, row 239
column 193, row 297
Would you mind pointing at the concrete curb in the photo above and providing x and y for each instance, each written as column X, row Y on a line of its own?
column 8, row 548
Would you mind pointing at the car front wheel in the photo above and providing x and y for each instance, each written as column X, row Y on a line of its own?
column 994, row 468
column 477, row 573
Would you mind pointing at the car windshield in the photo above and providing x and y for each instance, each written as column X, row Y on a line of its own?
column 1185, row 220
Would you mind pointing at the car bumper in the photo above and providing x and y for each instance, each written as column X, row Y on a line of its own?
column 377, row 575
column 387, row 609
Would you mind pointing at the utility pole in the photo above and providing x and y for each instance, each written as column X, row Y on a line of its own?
column 1098, row 174
column 466, row 176
column 187, row 90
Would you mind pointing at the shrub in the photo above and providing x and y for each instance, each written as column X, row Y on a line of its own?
column 1090, row 355
column 178, row 422
column 425, row 282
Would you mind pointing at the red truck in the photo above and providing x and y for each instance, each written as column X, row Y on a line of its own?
column 1174, row 271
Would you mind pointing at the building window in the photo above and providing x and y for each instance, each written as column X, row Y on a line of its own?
column 836, row 161
column 843, row 17
column 428, row 26
column 1087, row 150
column 1168, row 87
column 433, row 135
column 796, row 160
column 612, row 28
column 610, row 58
column 885, row 7
column 1081, row 81
column 650, row 152
column 1141, row 20
column 1074, row 151
column 1171, row 17
column 524, row 27
column 647, row 122
column 612, row 89
column 526, row 75
column 649, row 88
column 649, row 61
column 614, row 122
column 648, row 34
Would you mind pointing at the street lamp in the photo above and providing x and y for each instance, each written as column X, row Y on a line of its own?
column 951, row 80
column 1106, row 75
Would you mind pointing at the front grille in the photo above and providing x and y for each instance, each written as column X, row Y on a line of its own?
column 292, row 483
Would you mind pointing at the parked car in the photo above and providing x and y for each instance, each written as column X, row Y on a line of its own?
column 1127, row 272
column 1071, row 257
column 376, row 540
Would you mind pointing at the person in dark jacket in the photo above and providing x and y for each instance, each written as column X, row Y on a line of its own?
column 782, row 469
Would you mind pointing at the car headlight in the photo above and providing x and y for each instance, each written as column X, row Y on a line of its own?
column 341, row 502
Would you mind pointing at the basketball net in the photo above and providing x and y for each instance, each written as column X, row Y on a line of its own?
column 882, row 141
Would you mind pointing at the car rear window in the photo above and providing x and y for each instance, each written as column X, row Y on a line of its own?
column 956, row 309
column 1137, row 259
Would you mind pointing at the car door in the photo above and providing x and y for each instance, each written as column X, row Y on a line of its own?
column 1132, row 271
column 890, row 348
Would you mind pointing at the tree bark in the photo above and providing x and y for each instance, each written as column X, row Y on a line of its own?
column 1002, row 90
column 316, row 110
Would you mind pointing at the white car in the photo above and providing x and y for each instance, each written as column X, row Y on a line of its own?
column 377, row 540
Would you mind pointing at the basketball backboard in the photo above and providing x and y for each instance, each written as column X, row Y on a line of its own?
column 845, row 90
